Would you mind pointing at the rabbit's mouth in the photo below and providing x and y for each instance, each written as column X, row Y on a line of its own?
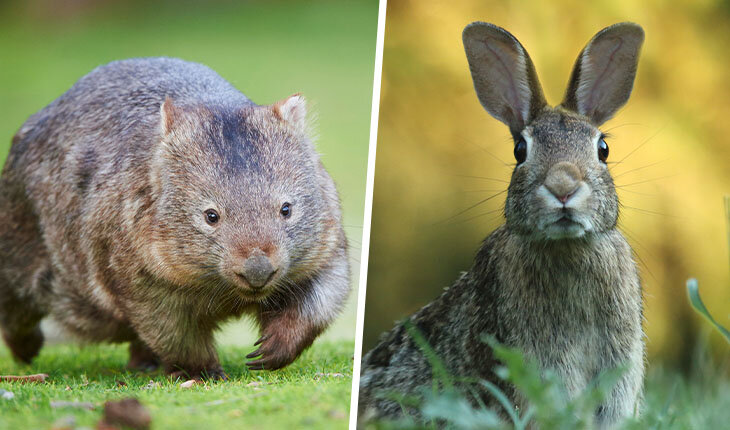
column 564, row 227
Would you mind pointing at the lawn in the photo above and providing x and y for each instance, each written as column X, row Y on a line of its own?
column 312, row 392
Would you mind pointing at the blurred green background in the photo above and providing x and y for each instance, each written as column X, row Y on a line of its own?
column 435, row 140
column 324, row 49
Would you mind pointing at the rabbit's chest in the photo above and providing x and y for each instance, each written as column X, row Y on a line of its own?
column 562, row 325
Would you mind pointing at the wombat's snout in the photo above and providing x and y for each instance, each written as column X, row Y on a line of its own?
column 257, row 271
column 563, row 180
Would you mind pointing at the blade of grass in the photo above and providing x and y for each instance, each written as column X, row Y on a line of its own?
column 504, row 401
column 694, row 298
column 437, row 366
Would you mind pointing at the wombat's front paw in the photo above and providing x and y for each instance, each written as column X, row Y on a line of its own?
column 143, row 365
column 24, row 346
column 142, row 358
column 275, row 352
column 213, row 373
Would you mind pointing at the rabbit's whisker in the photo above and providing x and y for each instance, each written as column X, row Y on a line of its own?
column 648, row 180
column 487, row 151
column 638, row 168
column 624, row 190
column 488, row 190
column 640, row 146
column 480, row 202
column 646, row 211
column 632, row 236
column 626, row 124
column 482, row 177
column 477, row 216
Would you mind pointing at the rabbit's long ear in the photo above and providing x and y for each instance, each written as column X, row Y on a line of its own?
column 604, row 73
column 504, row 76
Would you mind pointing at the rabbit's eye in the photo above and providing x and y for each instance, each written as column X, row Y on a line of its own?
column 602, row 150
column 521, row 151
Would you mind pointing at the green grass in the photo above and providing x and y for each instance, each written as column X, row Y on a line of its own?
column 313, row 392
column 699, row 399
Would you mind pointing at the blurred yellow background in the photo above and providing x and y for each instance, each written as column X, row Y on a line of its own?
column 672, row 137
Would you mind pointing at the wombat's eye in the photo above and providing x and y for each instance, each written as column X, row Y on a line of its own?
column 521, row 151
column 211, row 216
column 602, row 150
column 285, row 210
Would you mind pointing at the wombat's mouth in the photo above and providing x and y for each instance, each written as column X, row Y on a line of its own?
column 256, row 295
column 252, row 295
column 250, row 292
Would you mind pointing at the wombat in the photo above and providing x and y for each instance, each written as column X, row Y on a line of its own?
column 558, row 280
column 153, row 201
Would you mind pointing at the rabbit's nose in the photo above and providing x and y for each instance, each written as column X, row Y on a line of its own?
column 562, row 180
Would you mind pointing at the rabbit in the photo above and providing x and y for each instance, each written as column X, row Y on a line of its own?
column 558, row 280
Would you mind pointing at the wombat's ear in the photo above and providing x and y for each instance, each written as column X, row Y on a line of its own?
column 169, row 115
column 504, row 76
column 604, row 73
column 292, row 110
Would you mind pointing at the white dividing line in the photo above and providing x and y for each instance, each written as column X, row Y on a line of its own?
column 368, row 213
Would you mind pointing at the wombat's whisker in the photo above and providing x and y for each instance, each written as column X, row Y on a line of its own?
column 218, row 289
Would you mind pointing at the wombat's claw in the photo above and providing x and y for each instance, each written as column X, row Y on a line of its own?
column 204, row 375
column 214, row 375
column 271, row 360
column 254, row 354
column 258, row 342
column 276, row 349
column 256, row 364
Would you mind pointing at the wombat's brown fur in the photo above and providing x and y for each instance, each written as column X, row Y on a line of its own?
column 558, row 280
column 151, row 202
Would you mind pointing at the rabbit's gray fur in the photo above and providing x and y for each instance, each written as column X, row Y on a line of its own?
column 567, row 293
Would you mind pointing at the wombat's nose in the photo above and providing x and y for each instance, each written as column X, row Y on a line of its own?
column 257, row 271
column 562, row 180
